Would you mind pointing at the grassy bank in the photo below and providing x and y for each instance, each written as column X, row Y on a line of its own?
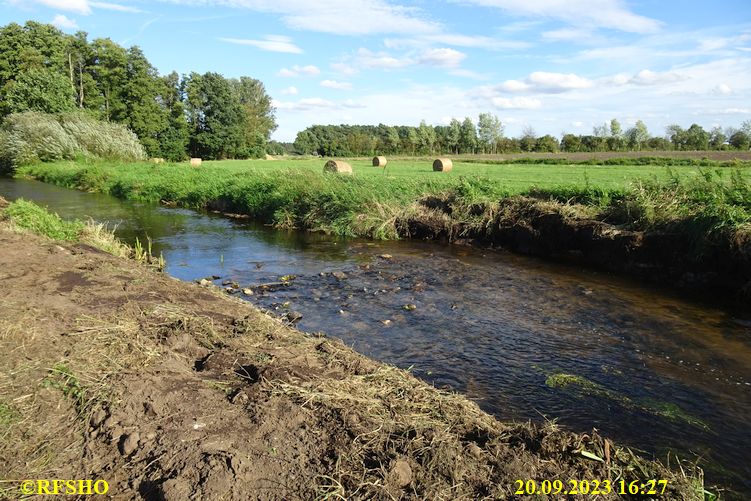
column 169, row 390
column 706, row 203
column 25, row 216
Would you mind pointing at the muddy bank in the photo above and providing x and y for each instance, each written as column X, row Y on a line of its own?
column 170, row 390
column 552, row 230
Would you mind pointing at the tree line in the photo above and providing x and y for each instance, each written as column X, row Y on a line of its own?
column 487, row 137
column 201, row 115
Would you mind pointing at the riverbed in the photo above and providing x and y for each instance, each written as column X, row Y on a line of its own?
column 525, row 338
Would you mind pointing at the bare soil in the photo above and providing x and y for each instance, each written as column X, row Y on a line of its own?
column 170, row 390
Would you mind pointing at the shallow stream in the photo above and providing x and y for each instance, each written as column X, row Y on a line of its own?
column 526, row 339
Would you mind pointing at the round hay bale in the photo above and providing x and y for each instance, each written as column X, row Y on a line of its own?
column 379, row 161
column 337, row 166
column 443, row 165
column 195, row 162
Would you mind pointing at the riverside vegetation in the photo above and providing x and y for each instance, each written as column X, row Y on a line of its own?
column 704, row 206
column 166, row 389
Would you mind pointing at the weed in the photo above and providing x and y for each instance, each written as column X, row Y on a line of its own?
column 61, row 378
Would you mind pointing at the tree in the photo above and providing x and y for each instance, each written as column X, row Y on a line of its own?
column 600, row 130
column 571, row 143
column 676, row 135
column 258, row 118
column 740, row 140
column 468, row 136
column 615, row 141
column 489, row 131
column 528, row 140
column 454, row 135
column 215, row 116
column 637, row 135
column 746, row 127
column 696, row 138
column 717, row 138
column 546, row 143
column 140, row 95
column 426, row 137
column 173, row 141
column 40, row 90
column 615, row 128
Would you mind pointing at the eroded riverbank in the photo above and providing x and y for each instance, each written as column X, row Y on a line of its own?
column 164, row 388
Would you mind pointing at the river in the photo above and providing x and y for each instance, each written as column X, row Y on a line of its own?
column 653, row 369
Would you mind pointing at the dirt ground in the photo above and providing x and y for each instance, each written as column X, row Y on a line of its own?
column 174, row 391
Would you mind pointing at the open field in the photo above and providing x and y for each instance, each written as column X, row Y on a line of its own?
column 401, row 177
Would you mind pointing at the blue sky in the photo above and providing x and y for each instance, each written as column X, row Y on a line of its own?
column 556, row 65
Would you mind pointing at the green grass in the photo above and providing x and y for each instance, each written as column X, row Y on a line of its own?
column 295, row 193
column 30, row 216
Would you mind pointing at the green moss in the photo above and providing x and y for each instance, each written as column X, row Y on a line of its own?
column 584, row 386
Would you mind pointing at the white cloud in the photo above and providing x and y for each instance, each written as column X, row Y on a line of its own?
column 436, row 57
column 83, row 7
column 568, row 35
column 315, row 103
column 546, row 82
column 297, row 71
column 290, row 91
column 333, row 84
column 77, row 6
column 115, row 6
column 516, row 103
column 380, row 60
column 456, row 40
column 443, row 58
column 577, row 124
column 612, row 14
column 735, row 111
column 344, row 69
column 339, row 17
column 723, row 89
column 271, row 43
column 648, row 77
column 64, row 23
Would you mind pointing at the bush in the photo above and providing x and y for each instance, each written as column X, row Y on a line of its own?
column 38, row 137
column 33, row 137
column 104, row 140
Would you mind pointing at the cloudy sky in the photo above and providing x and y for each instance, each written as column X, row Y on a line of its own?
column 557, row 65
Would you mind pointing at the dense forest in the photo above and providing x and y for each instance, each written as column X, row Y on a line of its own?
column 486, row 136
column 209, row 116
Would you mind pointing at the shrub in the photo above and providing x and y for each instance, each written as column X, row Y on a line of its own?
column 105, row 140
column 38, row 137
column 33, row 137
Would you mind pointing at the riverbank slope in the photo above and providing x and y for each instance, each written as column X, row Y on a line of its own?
column 170, row 390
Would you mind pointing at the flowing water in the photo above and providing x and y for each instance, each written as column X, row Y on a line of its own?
column 652, row 369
